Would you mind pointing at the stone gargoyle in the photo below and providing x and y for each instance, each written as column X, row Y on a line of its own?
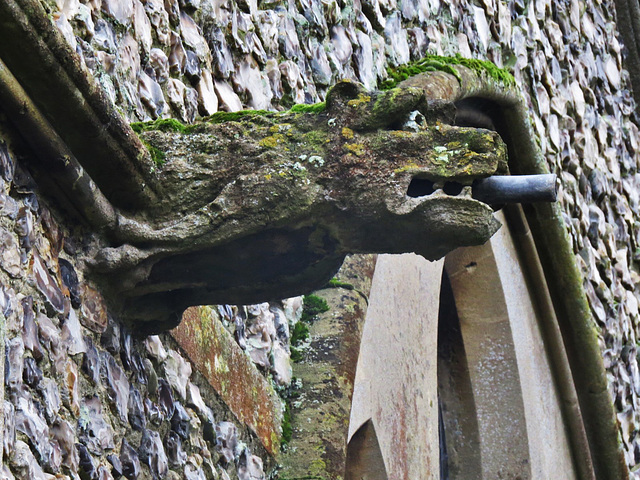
column 264, row 205
column 247, row 207
column 268, row 205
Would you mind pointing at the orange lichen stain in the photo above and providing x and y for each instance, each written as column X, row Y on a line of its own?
column 230, row 372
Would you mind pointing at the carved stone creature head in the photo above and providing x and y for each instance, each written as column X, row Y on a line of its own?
column 267, row 205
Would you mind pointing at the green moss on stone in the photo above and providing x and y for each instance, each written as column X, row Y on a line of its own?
column 335, row 283
column 287, row 429
column 313, row 306
column 220, row 117
column 157, row 155
column 300, row 333
column 306, row 108
column 296, row 355
column 162, row 124
column 433, row 63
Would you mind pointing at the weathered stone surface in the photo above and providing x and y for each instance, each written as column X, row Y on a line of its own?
column 297, row 158
column 130, row 461
column 326, row 373
column 212, row 349
column 532, row 43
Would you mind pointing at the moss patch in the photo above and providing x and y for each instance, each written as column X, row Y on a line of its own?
column 220, row 117
column 432, row 63
column 335, row 283
column 313, row 306
column 306, row 108
column 157, row 155
column 162, row 124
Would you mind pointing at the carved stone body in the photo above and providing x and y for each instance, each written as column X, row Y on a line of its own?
column 269, row 204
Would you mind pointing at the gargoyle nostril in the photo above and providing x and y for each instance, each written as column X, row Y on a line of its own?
column 452, row 188
column 420, row 187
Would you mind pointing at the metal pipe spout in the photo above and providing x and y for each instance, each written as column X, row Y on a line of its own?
column 502, row 189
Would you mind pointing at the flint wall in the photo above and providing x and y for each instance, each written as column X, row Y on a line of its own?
column 191, row 58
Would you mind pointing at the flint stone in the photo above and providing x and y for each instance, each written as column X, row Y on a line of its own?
column 194, row 400
column 30, row 422
column 250, row 466
column 10, row 256
column 25, row 464
column 47, row 285
column 86, row 464
column 94, row 311
column 71, row 395
column 116, row 465
column 51, row 395
column 15, row 362
column 70, row 280
column 137, row 417
column 95, row 432
column 91, row 362
column 151, row 95
column 180, row 421
column 193, row 470
column 72, row 334
column 116, row 383
column 226, row 440
column 110, row 339
column 104, row 473
column 152, row 453
column 154, row 413
column 9, row 434
column 177, row 372
column 64, row 435
column 165, row 398
column 130, row 461
column 173, row 446
column 155, row 348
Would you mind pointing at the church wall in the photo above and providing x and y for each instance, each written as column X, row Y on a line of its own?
column 190, row 58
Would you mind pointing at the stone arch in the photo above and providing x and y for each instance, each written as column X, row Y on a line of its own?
column 364, row 458
column 503, row 410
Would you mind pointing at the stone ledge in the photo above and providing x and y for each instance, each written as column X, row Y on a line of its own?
column 214, row 352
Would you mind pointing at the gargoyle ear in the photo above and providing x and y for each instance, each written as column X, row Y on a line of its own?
column 342, row 92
